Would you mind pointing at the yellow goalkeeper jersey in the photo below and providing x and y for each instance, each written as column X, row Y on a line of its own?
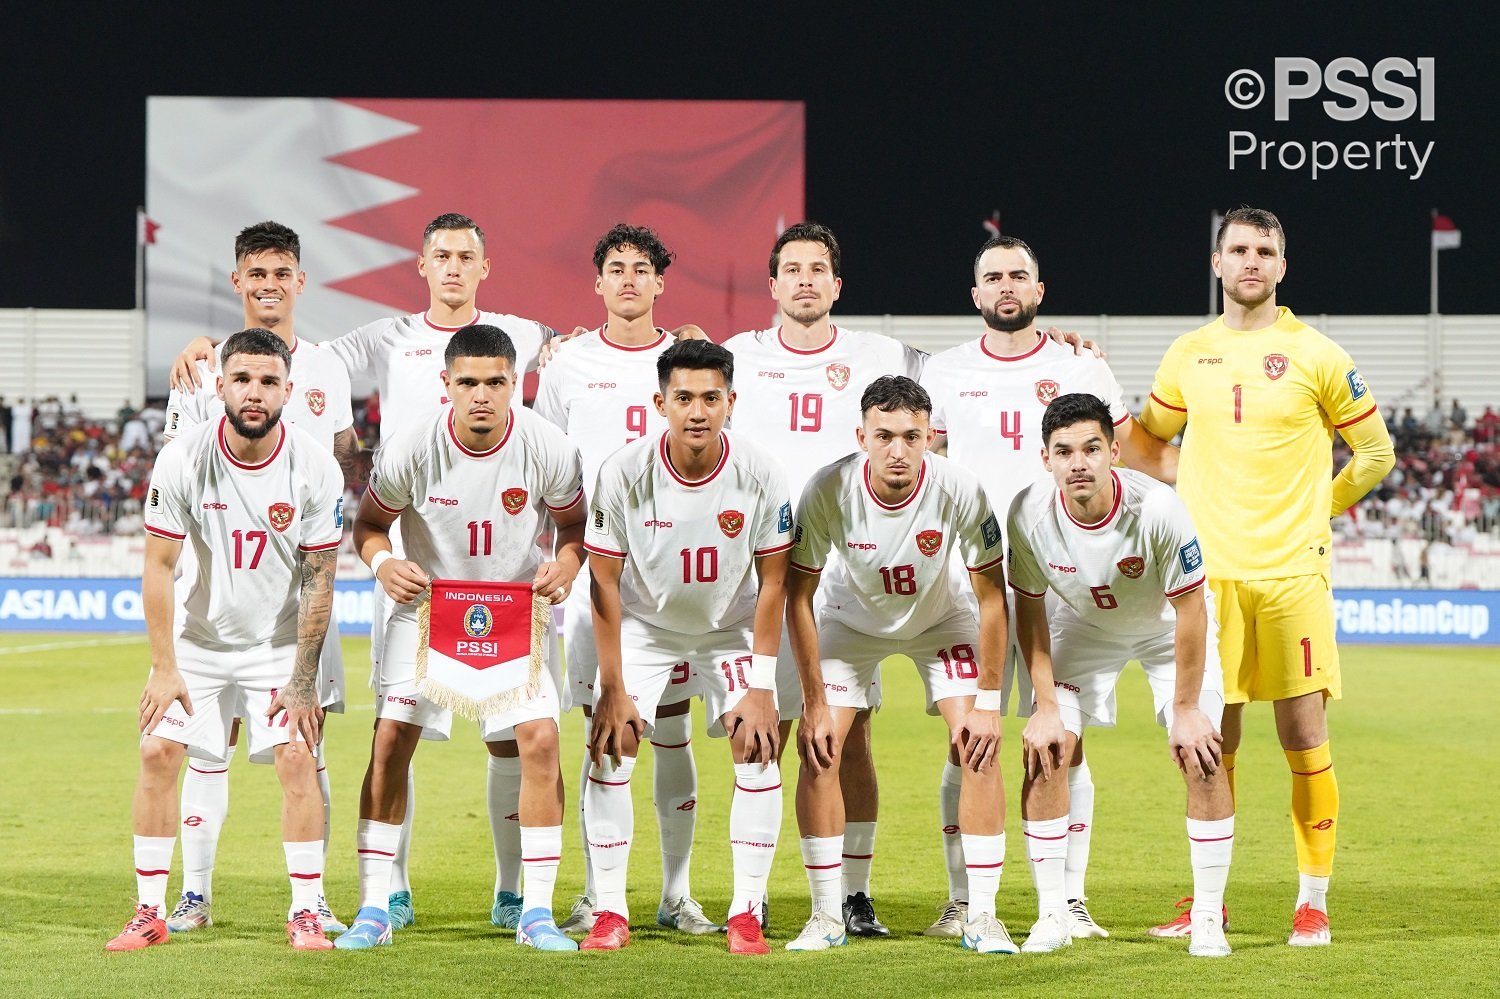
column 1256, row 469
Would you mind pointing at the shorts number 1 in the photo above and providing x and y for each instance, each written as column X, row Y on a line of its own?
column 1307, row 657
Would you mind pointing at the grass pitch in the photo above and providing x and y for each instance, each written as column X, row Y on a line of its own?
column 1412, row 896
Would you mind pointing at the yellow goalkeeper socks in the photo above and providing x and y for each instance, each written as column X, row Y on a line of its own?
column 1315, row 808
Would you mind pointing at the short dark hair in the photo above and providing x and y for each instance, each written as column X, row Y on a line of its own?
column 265, row 237
column 256, row 340
column 1076, row 407
column 695, row 355
column 452, row 220
column 1009, row 243
column 889, row 393
column 1264, row 222
column 480, row 340
column 623, row 234
column 809, row 232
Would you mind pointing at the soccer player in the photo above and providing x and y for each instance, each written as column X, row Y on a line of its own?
column 800, row 385
column 898, row 516
column 441, row 478
column 687, row 543
column 1261, row 394
column 1121, row 553
column 600, row 392
column 404, row 355
column 260, row 504
column 268, row 279
column 988, row 396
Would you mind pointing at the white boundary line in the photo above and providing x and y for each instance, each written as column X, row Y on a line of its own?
column 84, row 643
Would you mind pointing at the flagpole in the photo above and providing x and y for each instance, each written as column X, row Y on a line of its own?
column 1213, row 280
column 1432, row 303
column 140, row 257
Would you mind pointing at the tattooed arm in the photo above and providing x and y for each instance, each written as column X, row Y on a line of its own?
column 354, row 462
column 314, row 610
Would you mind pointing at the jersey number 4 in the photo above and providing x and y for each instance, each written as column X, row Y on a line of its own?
column 1010, row 427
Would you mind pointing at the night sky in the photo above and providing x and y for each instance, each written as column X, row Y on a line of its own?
column 1103, row 138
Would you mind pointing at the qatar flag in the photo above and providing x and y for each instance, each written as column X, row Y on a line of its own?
column 360, row 179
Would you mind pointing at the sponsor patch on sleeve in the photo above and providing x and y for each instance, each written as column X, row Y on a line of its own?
column 338, row 513
column 601, row 521
column 155, row 502
column 797, row 538
column 1357, row 387
column 1191, row 556
column 784, row 520
column 990, row 531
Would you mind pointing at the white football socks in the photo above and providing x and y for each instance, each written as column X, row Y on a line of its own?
column 859, row 854
column 1047, row 849
column 953, row 846
column 205, row 803
column 377, row 843
column 822, row 859
column 304, row 868
column 1210, row 846
column 675, row 794
column 1080, row 826
column 503, row 795
column 754, row 820
column 611, row 826
column 541, row 852
column 401, row 864
column 153, row 862
column 984, row 856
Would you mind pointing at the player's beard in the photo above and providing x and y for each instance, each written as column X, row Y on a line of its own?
column 253, row 433
column 1268, row 289
column 1024, row 317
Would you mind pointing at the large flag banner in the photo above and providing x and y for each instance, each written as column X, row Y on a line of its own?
column 360, row 179
column 481, row 646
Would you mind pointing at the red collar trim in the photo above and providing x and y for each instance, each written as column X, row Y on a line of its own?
column 1109, row 518
column 921, row 478
column 224, row 447
column 1041, row 341
column 510, row 426
column 666, row 460
column 622, row 346
column 833, row 339
column 450, row 329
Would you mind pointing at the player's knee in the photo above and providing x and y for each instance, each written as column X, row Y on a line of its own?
column 161, row 759
column 537, row 745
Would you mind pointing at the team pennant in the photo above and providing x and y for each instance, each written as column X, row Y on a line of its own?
column 480, row 646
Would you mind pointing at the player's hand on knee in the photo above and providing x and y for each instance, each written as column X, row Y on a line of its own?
column 1074, row 340
column 978, row 739
column 817, row 740
column 615, row 722
column 553, row 581
column 754, row 723
column 184, row 376
column 1196, row 747
column 403, row 581
column 304, row 715
column 1044, row 741
column 162, row 688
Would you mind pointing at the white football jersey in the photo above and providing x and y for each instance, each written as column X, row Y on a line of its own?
column 892, row 575
column 247, row 526
column 1118, row 575
column 689, row 546
column 319, row 403
column 476, row 515
column 990, row 407
column 600, row 393
column 404, row 354
column 803, row 405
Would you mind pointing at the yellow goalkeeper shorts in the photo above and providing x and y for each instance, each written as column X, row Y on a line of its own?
column 1276, row 637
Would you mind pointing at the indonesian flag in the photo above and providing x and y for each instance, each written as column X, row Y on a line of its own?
column 145, row 229
column 1445, row 235
column 992, row 224
column 480, row 646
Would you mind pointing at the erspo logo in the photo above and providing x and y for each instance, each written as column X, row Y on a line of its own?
column 1393, row 89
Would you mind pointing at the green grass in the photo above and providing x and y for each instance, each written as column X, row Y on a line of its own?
column 1414, row 741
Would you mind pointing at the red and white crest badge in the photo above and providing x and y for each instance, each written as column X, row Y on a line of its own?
column 838, row 375
column 317, row 401
column 1275, row 366
column 928, row 542
column 1046, row 391
column 281, row 516
column 514, row 500
column 731, row 522
column 1132, row 566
